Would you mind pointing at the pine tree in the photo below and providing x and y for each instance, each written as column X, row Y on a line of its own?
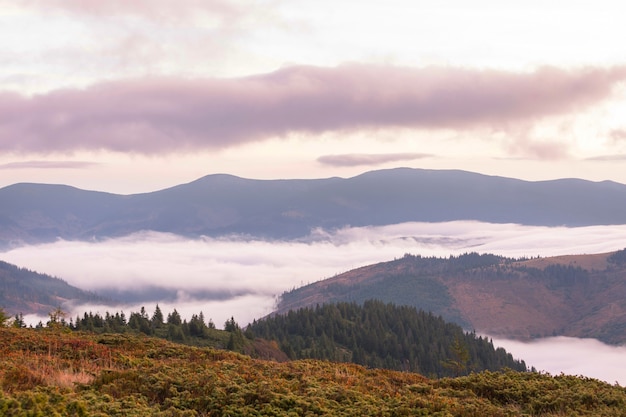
column 174, row 318
column 18, row 321
column 157, row 318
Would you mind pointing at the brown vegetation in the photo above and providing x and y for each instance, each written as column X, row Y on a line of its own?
column 54, row 373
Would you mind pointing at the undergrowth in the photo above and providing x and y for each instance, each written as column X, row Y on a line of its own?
column 54, row 373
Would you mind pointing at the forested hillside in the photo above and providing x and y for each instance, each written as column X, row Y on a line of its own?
column 380, row 335
column 577, row 296
column 51, row 372
column 25, row 291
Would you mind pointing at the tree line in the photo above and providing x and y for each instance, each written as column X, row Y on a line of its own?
column 373, row 334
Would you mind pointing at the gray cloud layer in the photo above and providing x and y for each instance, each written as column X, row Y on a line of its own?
column 165, row 114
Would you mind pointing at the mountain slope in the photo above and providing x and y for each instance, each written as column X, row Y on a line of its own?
column 24, row 291
column 579, row 296
column 222, row 204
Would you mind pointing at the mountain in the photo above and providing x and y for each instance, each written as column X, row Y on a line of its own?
column 218, row 205
column 579, row 296
column 47, row 372
column 25, row 291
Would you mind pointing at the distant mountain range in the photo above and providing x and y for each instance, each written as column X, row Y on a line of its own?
column 27, row 292
column 218, row 205
column 579, row 296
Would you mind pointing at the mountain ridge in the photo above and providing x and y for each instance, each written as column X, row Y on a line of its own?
column 221, row 205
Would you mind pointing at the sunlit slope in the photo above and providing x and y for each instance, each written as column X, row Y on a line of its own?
column 579, row 296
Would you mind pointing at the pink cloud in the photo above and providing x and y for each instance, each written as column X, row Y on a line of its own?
column 167, row 114
column 356, row 159
column 608, row 158
column 618, row 135
column 151, row 9
column 538, row 149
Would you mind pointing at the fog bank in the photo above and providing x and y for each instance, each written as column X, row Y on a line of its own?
column 242, row 277
column 571, row 356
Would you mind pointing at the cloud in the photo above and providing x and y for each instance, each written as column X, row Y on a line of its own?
column 155, row 115
column 571, row 356
column 49, row 165
column 608, row 158
column 161, row 10
column 356, row 159
column 154, row 267
column 524, row 145
column 618, row 135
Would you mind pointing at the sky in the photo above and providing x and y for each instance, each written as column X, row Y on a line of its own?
column 131, row 97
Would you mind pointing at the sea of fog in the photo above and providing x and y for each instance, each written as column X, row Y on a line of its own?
column 242, row 277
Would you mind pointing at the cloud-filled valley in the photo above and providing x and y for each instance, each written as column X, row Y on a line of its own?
column 149, row 266
column 241, row 277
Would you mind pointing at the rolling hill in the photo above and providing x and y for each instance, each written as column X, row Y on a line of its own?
column 578, row 296
column 218, row 205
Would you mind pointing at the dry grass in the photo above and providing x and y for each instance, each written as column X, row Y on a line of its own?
column 68, row 378
column 589, row 262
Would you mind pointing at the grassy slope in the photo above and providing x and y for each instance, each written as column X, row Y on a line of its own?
column 55, row 373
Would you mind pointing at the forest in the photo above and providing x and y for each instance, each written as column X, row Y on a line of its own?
column 380, row 335
column 28, row 291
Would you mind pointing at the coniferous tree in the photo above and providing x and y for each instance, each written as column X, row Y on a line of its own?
column 157, row 318
column 18, row 321
column 231, row 325
column 174, row 318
